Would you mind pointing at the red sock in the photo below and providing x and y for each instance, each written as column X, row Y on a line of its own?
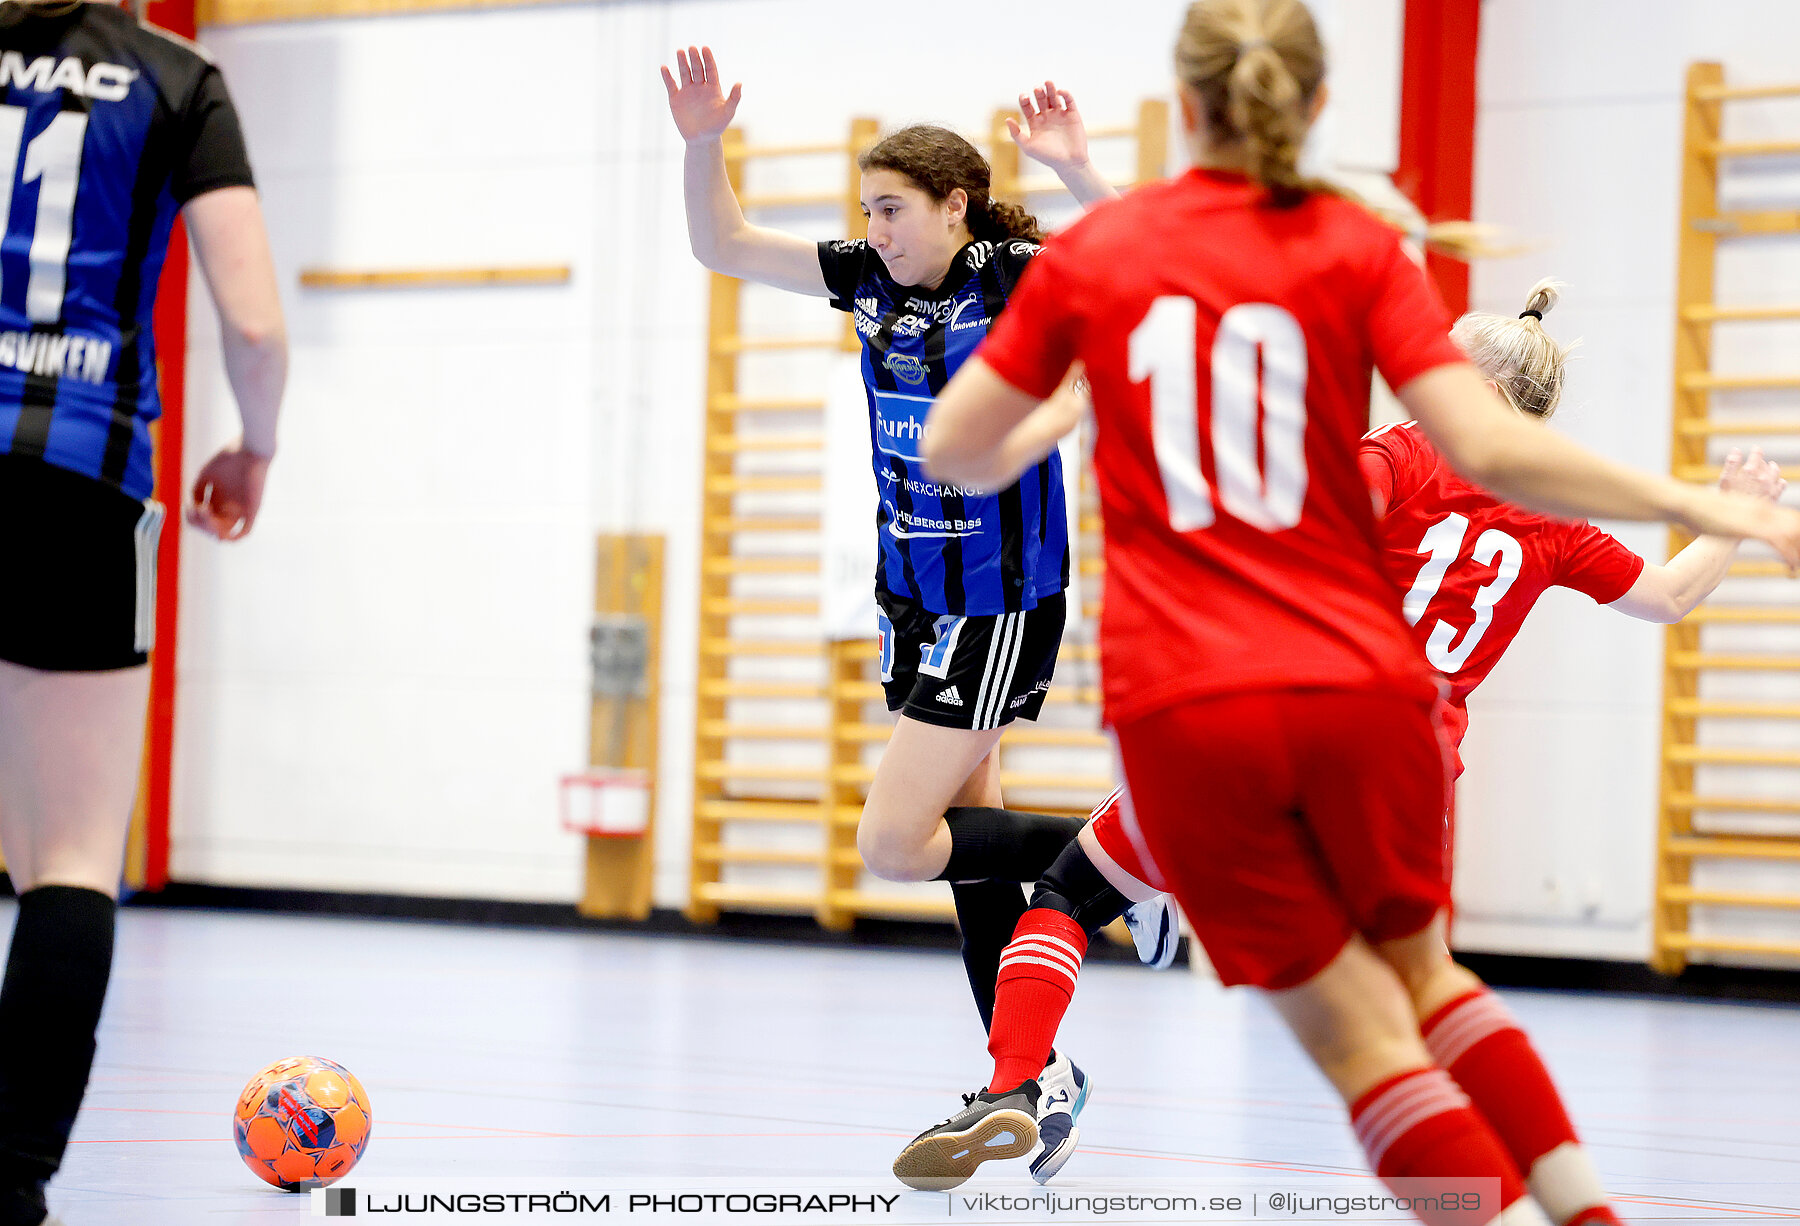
column 1418, row 1125
column 1482, row 1047
column 1031, row 994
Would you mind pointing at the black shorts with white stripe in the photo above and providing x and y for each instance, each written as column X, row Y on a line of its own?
column 968, row 672
column 77, row 570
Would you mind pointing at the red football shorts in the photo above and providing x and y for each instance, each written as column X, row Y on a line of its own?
column 1285, row 821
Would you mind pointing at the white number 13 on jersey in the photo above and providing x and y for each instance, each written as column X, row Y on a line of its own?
column 1164, row 349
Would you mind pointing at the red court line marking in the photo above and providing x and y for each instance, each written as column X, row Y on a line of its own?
column 1301, row 1170
column 1254, row 1166
column 1702, row 1205
column 554, row 1136
column 485, row 1129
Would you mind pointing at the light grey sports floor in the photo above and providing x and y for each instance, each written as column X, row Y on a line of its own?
column 557, row 1056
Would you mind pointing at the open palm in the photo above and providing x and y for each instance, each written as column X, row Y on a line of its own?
column 701, row 109
column 1052, row 131
column 1754, row 475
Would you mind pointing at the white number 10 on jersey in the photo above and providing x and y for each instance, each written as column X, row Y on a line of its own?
column 1164, row 349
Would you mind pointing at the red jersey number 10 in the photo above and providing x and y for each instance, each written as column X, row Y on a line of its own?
column 1258, row 371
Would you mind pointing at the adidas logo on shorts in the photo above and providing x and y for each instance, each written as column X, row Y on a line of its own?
column 949, row 697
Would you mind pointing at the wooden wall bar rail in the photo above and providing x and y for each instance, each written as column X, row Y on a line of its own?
column 434, row 278
column 1688, row 663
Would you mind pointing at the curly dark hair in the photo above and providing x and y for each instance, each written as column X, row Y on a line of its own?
column 937, row 161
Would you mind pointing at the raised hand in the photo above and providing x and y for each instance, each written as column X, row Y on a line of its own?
column 1755, row 476
column 701, row 109
column 1052, row 132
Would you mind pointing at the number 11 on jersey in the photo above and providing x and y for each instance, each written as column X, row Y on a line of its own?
column 53, row 161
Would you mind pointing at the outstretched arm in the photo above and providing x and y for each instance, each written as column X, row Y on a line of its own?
column 984, row 432
column 720, row 237
column 1052, row 133
column 1670, row 592
column 1499, row 450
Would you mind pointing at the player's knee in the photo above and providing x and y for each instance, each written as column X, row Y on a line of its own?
column 890, row 856
column 1426, row 975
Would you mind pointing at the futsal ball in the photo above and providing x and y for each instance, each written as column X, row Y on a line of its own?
column 302, row 1123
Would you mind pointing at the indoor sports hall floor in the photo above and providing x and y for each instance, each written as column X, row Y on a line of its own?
column 579, row 1054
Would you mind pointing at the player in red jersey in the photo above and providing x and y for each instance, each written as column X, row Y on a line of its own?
column 1274, row 717
column 1470, row 569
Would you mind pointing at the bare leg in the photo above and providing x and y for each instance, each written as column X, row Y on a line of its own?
column 70, row 749
column 1423, row 963
column 982, row 787
column 1134, row 890
column 924, row 770
column 70, row 745
column 1355, row 1020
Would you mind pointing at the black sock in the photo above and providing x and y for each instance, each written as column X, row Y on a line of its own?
column 1076, row 888
column 1004, row 844
column 987, row 912
column 50, row 1001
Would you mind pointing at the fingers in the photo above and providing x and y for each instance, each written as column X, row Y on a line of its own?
column 1045, row 100
column 1012, row 130
column 200, row 511
column 668, row 82
column 737, row 96
column 711, row 65
column 207, row 522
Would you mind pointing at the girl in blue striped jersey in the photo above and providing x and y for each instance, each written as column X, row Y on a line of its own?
column 969, row 585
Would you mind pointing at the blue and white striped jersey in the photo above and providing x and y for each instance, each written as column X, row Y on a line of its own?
column 107, row 127
column 953, row 550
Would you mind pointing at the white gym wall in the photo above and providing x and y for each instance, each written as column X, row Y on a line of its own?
column 1578, row 150
column 380, row 686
